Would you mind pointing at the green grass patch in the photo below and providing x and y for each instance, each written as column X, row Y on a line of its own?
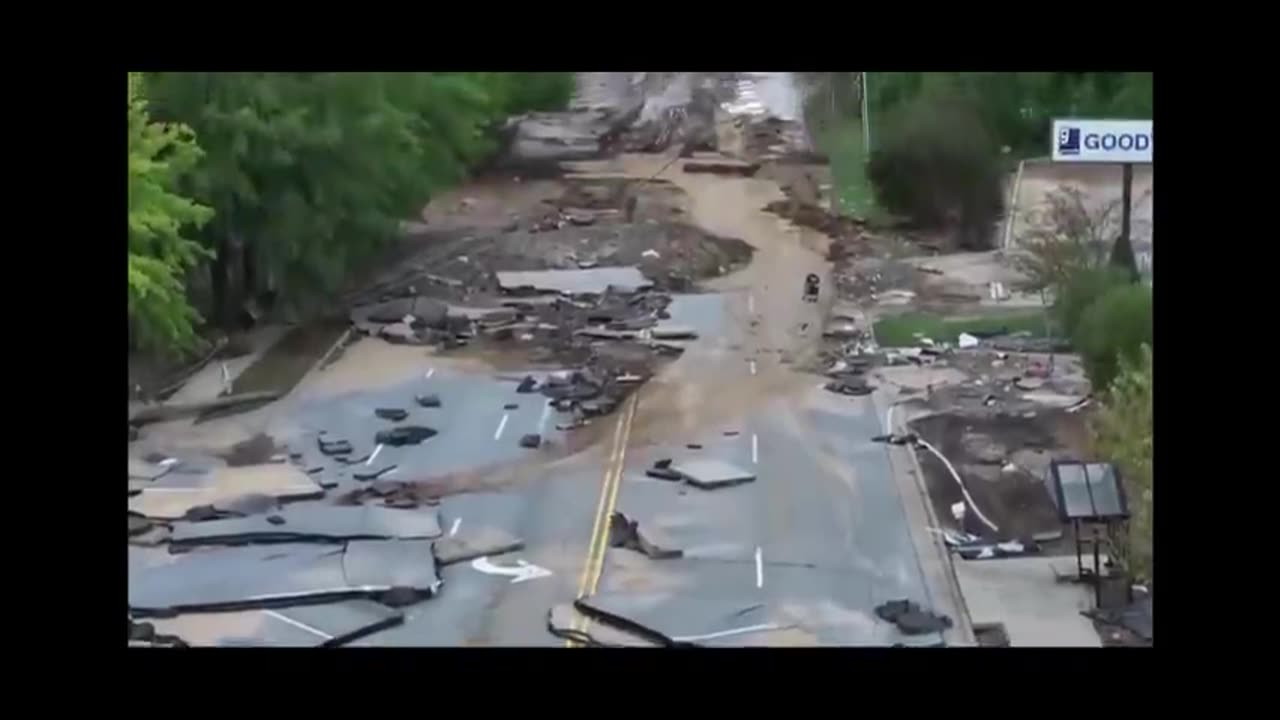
column 900, row 330
column 851, row 190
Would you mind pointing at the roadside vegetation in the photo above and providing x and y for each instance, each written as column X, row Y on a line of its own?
column 1108, row 315
column 908, row 328
column 1014, row 110
column 253, row 189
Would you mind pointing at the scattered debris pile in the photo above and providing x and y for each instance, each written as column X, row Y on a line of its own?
column 269, row 563
column 911, row 619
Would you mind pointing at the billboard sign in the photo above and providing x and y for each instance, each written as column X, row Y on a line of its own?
column 1102, row 141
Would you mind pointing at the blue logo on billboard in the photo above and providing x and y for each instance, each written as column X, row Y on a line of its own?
column 1069, row 141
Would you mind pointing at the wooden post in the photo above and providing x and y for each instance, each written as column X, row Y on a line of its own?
column 1128, row 204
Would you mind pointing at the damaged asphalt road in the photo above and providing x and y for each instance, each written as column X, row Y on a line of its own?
column 784, row 528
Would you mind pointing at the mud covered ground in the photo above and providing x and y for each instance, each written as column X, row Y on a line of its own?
column 1003, row 459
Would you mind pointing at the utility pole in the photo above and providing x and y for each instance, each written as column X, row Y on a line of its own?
column 866, row 117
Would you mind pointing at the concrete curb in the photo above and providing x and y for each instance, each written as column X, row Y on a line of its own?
column 962, row 632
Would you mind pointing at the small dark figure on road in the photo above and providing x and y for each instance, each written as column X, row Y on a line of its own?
column 811, row 287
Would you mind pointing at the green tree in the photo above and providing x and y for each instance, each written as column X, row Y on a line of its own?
column 160, row 155
column 935, row 164
column 1123, row 433
column 311, row 173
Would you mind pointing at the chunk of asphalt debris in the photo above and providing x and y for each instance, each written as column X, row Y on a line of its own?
column 392, row 414
column 334, row 447
column 532, row 440
column 138, row 525
column 314, row 470
column 275, row 519
column 894, row 439
column 851, row 386
column 428, row 401
column 712, row 474
column 202, row 513
column 694, row 446
column 405, row 435
column 511, row 406
column 664, row 473
column 527, row 385
column 372, row 474
column 911, row 619
column 730, row 433
column 625, row 533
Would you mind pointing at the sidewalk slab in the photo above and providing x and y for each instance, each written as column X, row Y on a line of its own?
column 1024, row 594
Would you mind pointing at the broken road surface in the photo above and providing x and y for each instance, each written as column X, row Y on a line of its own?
column 784, row 523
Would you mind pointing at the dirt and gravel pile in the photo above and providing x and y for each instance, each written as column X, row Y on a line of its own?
column 1003, row 459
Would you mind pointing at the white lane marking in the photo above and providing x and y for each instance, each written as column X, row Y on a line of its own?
column 546, row 414
column 759, row 567
column 501, row 426
column 726, row 633
column 454, row 530
column 374, row 455
column 430, row 372
column 753, row 367
column 755, row 448
column 751, row 303
column 300, row 626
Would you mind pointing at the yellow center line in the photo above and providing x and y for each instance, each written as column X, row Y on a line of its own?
column 594, row 563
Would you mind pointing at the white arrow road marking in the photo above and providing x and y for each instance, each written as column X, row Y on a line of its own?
column 454, row 530
column 501, row 426
column 759, row 568
column 523, row 570
column 755, row 448
column 373, row 455
column 546, row 414
column 751, row 303
column 753, row 367
column 430, row 372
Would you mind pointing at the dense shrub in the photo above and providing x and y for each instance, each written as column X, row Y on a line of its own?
column 1124, row 434
column 1080, row 289
column 1113, row 330
column 935, row 164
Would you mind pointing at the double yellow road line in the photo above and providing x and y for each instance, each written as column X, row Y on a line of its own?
column 594, row 565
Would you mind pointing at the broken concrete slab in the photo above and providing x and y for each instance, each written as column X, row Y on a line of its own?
column 314, row 524
column 404, row 435
column 428, row 401
column 675, row 620
column 226, row 579
column 425, row 310
column 334, row 447
column 665, row 331
column 278, row 480
column 712, row 474
column 329, row 625
column 474, row 543
column 565, row 621
column 229, row 578
column 594, row 281
column 392, row 564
